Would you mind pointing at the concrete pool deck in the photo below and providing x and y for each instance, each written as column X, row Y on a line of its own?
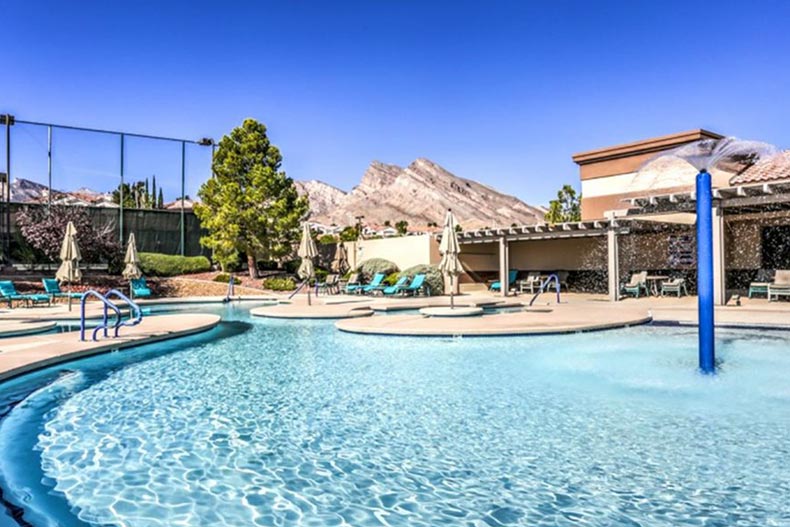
column 20, row 355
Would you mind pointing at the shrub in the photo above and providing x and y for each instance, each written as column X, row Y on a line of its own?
column 279, row 284
column 370, row 267
column 43, row 229
column 433, row 277
column 156, row 264
column 225, row 278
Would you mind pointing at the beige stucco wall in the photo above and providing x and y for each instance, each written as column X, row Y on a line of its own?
column 404, row 251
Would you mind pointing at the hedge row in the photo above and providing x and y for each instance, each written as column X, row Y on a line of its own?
column 156, row 264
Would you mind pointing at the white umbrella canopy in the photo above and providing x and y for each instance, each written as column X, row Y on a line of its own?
column 307, row 251
column 449, row 249
column 69, row 270
column 340, row 263
column 132, row 260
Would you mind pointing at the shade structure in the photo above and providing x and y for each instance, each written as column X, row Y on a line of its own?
column 132, row 260
column 450, row 265
column 340, row 262
column 69, row 270
column 307, row 252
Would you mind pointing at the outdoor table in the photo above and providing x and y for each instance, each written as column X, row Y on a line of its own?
column 653, row 283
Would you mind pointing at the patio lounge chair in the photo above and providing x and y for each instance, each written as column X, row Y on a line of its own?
column 52, row 288
column 675, row 285
column 375, row 284
column 329, row 285
column 397, row 287
column 140, row 288
column 353, row 284
column 637, row 284
column 9, row 293
column 511, row 279
column 780, row 286
column 760, row 285
column 416, row 286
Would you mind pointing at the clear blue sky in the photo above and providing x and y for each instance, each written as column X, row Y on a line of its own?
column 501, row 92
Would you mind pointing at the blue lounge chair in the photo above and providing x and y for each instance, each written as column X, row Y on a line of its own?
column 397, row 287
column 416, row 286
column 9, row 293
column 511, row 279
column 375, row 284
column 140, row 288
column 52, row 288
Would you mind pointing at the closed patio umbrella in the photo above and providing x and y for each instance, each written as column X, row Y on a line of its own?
column 69, row 270
column 340, row 262
column 307, row 252
column 449, row 249
column 131, row 270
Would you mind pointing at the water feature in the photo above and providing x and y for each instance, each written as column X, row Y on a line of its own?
column 703, row 156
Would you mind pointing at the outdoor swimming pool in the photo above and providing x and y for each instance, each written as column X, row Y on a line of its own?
column 294, row 423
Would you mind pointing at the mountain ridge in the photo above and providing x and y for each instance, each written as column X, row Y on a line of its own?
column 420, row 194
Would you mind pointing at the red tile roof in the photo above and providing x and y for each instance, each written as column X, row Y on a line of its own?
column 775, row 168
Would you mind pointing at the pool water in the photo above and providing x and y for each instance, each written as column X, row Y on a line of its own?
column 294, row 423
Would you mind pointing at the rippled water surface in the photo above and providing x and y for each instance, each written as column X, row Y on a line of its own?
column 294, row 423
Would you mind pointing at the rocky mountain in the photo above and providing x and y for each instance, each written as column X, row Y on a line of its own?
column 420, row 193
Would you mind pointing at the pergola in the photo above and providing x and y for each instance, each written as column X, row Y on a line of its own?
column 671, row 208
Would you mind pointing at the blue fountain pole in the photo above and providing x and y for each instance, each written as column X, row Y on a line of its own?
column 707, row 360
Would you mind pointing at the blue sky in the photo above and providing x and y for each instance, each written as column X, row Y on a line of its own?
column 501, row 92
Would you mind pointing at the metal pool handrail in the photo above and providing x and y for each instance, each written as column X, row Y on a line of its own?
column 137, row 313
column 104, row 324
column 545, row 284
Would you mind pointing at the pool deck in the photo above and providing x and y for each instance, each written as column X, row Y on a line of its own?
column 20, row 355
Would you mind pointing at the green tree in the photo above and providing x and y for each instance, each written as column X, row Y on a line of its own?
column 250, row 206
column 567, row 206
column 349, row 234
column 402, row 227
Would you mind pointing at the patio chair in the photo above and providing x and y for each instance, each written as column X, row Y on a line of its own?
column 511, row 279
column 531, row 282
column 397, row 287
column 762, row 281
column 674, row 286
column 780, row 286
column 52, row 288
column 637, row 284
column 563, row 278
column 140, row 288
column 329, row 285
column 353, row 284
column 9, row 293
column 416, row 286
column 375, row 284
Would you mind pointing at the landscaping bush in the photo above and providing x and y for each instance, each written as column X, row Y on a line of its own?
column 156, row 264
column 279, row 284
column 370, row 267
column 433, row 277
column 225, row 278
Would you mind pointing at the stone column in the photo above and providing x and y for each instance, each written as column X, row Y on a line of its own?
column 613, row 261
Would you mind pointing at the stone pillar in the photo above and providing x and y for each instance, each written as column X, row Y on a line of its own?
column 613, row 261
column 504, row 265
column 719, row 264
